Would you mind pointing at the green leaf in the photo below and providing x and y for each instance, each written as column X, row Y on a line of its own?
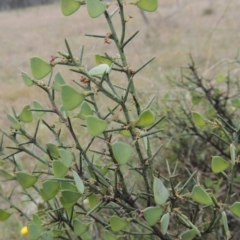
column 26, row 115
column 108, row 235
column 6, row 175
column 95, row 8
column 99, row 70
column 122, row 152
column 219, row 164
column 36, row 219
column 117, row 223
column 50, row 189
column 4, row 215
column 152, row 215
column 53, row 151
column 69, row 7
column 95, row 125
column 189, row 234
column 27, row 80
column 68, row 186
column 236, row 102
column 85, row 110
column 79, row 227
column 196, row 99
column 198, row 119
column 38, row 106
column 26, row 180
column 148, row 5
column 35, row 231
column 40, row 68
column 58, row 82
column 165, row 223
column 102, row 169
column 47, row 235
column 70, row 196
column 125, row 133
column 14, row 123
column 66, row 157
column 145, row 119
column 71, row 98
column 59, row 170
column 93, row 200
column 160, row 192
column 65, row 204
column 78, row 182
column 235, row 209
column 99, row 59
column 200, row 195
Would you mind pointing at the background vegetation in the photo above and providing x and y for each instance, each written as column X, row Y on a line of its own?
column 205, row 29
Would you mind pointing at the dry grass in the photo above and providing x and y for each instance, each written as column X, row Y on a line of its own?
column 209, row 30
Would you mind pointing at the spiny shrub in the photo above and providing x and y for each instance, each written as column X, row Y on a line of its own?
column 85, row 182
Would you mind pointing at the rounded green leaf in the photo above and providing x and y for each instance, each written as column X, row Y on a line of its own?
column 145, row 119
column 108, row 235
column 99, row 70
column 26, row 115
column 66, row 157
column 78, row 182
column 117, row 223
column 69, row 7
column 66, row 205
column 47, row 235
column 36, row 219
column 50, row 188
column 200, row 195
column 59, row 170
column 189, row 234
column 4, row 215
column 148, row 5
column 95, row 8
column 53, row 151
column 27, row 80
column 152, row 215
column 70, row 196
column 99, row 59
column 165, row 223
column 95, row 125
column 102, row 169
column 219, row 164
column 79, row 227
column 26, row 180
column 160, row 192
column 68, row 186
column 122, row 152
column 93, row 200
column 85, row 110
column 235, row 209
column 39, row 68
column 58, row 82
column 14, row 123
column 35, row 231
column 38, row 106
column 125, row 133
column 198, row 119
column 71, row 98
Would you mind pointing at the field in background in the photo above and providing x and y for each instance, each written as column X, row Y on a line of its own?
column 209, row 30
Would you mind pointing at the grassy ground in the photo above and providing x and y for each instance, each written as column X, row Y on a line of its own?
column 209, row 30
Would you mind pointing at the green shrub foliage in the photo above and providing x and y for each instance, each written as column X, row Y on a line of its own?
column 97, row 175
